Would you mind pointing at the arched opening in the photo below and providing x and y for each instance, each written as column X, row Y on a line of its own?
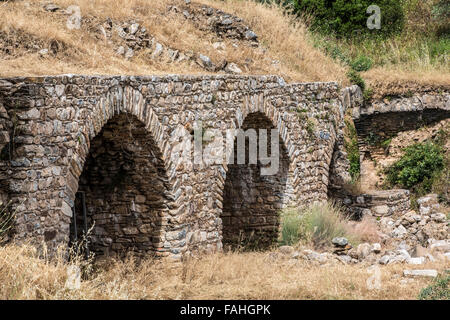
column 125, row 189
column 251, row 201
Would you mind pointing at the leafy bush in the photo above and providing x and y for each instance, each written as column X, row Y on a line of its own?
column 317, row 224
column 349, row 18
column 441, row 16
column 355, row 78
column 419, row 165
column 438, row 290
column 361, row 63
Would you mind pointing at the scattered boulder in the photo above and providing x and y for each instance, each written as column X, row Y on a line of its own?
column 418, row 260
column 129, row 54
column 345, row 259
column 314, row 256
column 51, row 7
column 376, row 248
column 384, row 259
column 232, row 68
column 440, row 246
column 399, row 232
column 420, row 273
column 43, row 52
column 219, row 46
column 158, row 50
column 120, row 50
column 288, row 250
column 205, row 62
column 250, row 35
column 363, row 250
column 339, row 241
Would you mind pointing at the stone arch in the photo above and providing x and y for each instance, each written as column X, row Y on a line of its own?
column 121, row 164
column 251, row 202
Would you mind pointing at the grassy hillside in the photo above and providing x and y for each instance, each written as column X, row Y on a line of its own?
column 26, row 28
column 414, row 59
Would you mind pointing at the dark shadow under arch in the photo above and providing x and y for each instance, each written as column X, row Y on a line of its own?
column 251, row 201
column 126, row 190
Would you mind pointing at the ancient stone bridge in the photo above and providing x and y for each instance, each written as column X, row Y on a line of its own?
column 114, row 139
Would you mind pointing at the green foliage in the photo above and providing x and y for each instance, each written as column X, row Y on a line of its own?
column 368, row 94
column 441, row 182
column 355, row 78
column 385, row 144
column 352, row 149
column 418, row 167
column 290, row 221
column 361, row 63
column 438, row 290
column 349, row 18
column 317, row 224
column 440, row 13
column 310, row 127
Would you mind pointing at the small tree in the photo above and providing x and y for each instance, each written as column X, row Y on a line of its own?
column 349, row 18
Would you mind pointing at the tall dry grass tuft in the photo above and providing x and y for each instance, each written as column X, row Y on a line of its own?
column 315, row 225
column 366, row 230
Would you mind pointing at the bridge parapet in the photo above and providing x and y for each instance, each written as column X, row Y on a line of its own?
column 117, row 139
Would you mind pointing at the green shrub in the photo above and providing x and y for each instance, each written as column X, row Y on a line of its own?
column 438, row 290
column 361, row 63
column 441, row 18
column 420, row 164
column 355, row 78
column 290, row 226
column 6, row 221
column 441, row 183
column 349, row 18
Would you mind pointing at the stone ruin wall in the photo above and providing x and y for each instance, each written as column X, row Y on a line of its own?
column 381, row 120
column 385, row 118
column 114, row 138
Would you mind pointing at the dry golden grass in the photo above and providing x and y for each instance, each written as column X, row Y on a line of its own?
column 220, row 276
column 393, row 81
column 83, row 53
column 366, row 230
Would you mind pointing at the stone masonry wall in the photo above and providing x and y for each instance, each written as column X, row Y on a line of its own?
column 69, row 127
column 383, row 119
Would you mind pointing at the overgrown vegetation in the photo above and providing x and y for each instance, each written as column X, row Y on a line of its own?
column 315, row 225
column 349, row 18
column 418, row 167
column 438, row 290
column 352, row 148
column 418, row 52
column 25, row 274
